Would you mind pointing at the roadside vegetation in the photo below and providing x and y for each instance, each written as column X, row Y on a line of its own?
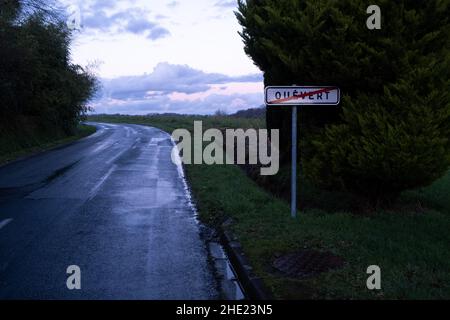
column 14, row 146
column 410, row 242
column 43, row 95
column 391, row 130
column 169, row 122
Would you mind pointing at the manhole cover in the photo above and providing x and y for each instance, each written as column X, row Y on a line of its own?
column 307, row 263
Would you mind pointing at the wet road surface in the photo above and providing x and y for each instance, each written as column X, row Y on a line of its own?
column 113, row 204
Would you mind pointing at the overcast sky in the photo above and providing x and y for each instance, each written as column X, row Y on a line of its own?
column 158, row 56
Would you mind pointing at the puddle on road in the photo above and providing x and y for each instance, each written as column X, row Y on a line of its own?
column 7, row 194
column 60, row 172
column 229, row 286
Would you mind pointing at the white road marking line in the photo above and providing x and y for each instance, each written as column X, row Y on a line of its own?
column 157, row 140
column 96, row 188
column 154, row 142
column 5, row 222
column 116, row 156
column 138, row 140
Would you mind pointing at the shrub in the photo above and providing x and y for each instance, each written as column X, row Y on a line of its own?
column 37, row 79
column 393, row 130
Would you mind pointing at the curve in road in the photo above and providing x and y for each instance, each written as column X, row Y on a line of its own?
column 113, row 204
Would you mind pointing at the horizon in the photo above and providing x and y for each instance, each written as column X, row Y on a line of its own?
column 154, row 46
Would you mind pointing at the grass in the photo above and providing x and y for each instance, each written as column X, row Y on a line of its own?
column 411, row 246
column 14, row 146
column 170, row 123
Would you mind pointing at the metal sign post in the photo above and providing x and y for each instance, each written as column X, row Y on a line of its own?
column 294, row 164
column 296, row 96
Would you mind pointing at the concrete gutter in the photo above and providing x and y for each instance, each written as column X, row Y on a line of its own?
column 253, row 286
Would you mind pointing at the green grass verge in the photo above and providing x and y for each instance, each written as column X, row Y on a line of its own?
column 170, row 123
column 410, row 246
column 13, row 147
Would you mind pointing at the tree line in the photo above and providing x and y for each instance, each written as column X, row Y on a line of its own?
column 40, row 88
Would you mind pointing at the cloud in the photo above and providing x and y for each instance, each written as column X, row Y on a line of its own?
column 102, row 4
column 104, row 16
column 168, row 78
column 139, row 26
column 173, row 4
column 226, row 3
column 179, row 89
column 163, row 104
column 98, row 21
column 157, row 33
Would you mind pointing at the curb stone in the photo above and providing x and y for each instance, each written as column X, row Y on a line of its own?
column 253, row 285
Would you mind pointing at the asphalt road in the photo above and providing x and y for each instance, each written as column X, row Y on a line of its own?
column 113, row 204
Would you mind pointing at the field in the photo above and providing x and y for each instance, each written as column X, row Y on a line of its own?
column 409, row 243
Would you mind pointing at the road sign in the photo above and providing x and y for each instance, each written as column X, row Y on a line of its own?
column 297, row 96
column 294, row 96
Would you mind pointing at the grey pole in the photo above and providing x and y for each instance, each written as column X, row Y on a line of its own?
column 294, row 164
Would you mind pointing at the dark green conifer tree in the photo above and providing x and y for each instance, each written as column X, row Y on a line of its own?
column 391, row 131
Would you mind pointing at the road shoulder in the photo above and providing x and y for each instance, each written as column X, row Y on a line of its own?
column 83, row 132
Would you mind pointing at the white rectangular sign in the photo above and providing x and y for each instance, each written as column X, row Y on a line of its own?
column 294, row 96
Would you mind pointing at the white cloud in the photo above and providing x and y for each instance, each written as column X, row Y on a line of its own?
column 163, row 104
column 179, row 89
column 168, row 78
column 130, row 36
column 206, row 69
